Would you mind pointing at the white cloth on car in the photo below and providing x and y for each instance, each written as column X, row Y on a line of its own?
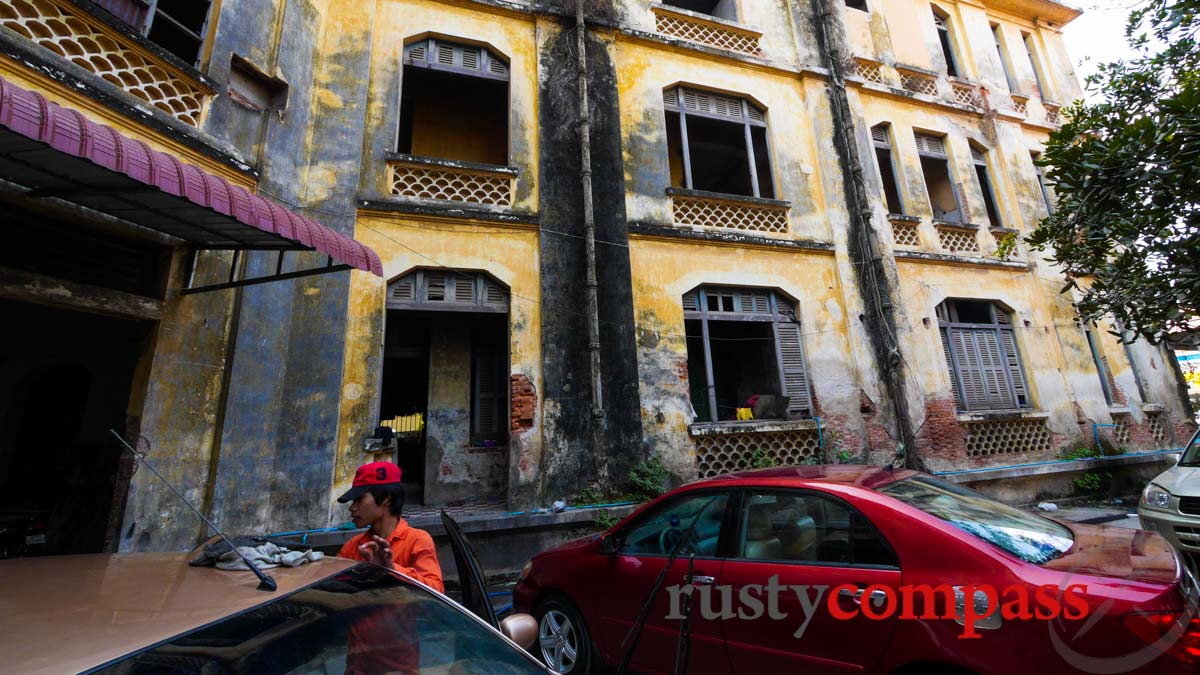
column 265, row 556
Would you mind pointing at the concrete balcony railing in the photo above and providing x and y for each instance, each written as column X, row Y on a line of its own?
column 965, row 93
column 917, row 81
column 706, row 30
column 957, row 238
column 696, row 208
column 119, row 57
column 905, row 230
column 724, row 447
column 451, row 180
column 1020, row 104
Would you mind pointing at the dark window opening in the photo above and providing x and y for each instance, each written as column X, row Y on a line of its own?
column 788, row 526
column 722, row 9
column 489, row 381
column 985, row 186
column 717, row 144
column 985, row 367
column 860, row 5
column 178, row 26
column 454, row 104
column 998, row 37
column 887, row 169
column 940, row 188
column 943, row 29
column 449, row 116
column 744, row 351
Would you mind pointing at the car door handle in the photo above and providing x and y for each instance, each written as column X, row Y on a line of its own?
column 701, row 580
column 876, row 595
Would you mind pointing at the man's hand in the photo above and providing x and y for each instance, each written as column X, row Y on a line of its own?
column 377, row 551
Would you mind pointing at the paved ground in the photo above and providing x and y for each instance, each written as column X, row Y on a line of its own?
column 1103, row 513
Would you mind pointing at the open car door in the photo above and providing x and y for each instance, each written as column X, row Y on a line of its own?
column 470, row 574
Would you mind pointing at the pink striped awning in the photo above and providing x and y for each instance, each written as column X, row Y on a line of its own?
column 57, row 152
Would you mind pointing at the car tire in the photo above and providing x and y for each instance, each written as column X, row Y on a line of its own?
column 563, row 643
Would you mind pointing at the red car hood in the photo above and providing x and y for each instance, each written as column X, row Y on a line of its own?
column 1118, row 552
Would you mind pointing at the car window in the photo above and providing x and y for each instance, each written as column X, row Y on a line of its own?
column 809, row 528
column 1029, row 537
column 363, row 620
column 663, row 528
column 1191, row 454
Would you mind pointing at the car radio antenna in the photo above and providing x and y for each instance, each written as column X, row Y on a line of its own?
column 265, row 583
column 630, row 643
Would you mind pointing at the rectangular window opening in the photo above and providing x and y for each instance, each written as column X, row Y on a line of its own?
column 989, row 197
column 178, row 26
column 943, row 201
column 1031, row 52
column 860, row 5
column 743, row 364
column 1041, row 180
column 887, row 172
column 457, row 117
column 722, row 9
column 719, row 160
column 943, row 30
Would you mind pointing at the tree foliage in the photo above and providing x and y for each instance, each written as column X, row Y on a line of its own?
column 1126, row 173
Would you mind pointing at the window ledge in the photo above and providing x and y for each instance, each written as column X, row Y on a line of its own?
column 1119, row 410
column 901, row 218
column 1003, row 230
column 450, row 163
column 1153, row 407
column 937, row 222
column 751, row 427
column 992, row 416
column 919, row 70
column 703, row 194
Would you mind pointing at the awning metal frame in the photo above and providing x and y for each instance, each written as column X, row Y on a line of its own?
column 235, row 264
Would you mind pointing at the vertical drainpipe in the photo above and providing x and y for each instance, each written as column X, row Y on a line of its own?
column 872, row 278
column 589, row 227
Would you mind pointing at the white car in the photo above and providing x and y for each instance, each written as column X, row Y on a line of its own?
column 1170, row 504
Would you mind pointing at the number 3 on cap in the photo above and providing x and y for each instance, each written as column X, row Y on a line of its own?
column 380, row 473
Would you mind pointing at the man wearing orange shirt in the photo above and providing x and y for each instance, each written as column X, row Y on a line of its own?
column 375, row 501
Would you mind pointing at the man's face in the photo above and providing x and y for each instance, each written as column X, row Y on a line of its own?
column 364, row 511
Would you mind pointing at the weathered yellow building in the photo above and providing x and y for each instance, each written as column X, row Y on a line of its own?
column 808, row 213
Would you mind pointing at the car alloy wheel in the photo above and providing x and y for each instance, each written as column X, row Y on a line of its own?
column 558, row 640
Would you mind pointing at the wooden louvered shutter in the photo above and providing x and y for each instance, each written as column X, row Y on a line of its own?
column 1012, row 361
column 994, row 368
column 489, row 397
column 691, row 301
column 795, row 375
column 958, row 399
column 970, row 370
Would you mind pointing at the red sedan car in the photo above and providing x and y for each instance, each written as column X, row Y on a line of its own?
column 845, row 569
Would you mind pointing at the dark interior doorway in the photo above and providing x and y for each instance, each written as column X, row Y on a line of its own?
column 65, row 379
column 405, row 392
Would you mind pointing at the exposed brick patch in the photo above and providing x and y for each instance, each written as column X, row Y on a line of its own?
column 879, row 437
column 524, row 403
column 681, row 369
column 942, row 436
column 1183, row 432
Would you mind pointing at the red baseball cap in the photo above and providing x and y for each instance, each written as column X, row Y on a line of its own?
column 370, row 475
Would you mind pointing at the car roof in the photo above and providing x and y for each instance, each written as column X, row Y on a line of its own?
column 870, row 477
column 71, row 613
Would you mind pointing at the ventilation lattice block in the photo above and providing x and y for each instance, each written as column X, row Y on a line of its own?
column 724, row 453
column 1006, row 437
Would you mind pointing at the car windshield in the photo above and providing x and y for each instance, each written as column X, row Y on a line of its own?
column 1031, row 538
column 1191, row 454
column 362, row 620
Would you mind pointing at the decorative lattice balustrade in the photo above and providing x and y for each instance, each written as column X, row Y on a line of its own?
column 729, row 213
column 447, row 181
column 710, row 33
column 957, row 239
column 1120, row 432
column 998, row 438
column 71, row 33
column 869, row 71
column 730, row 449
column 1020, row 104
column 1052, row 112
column 965, row 93
column 918, row 82
column 905, row 233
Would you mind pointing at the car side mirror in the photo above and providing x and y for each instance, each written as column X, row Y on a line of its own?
column 609, row 544
column 521, row 629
